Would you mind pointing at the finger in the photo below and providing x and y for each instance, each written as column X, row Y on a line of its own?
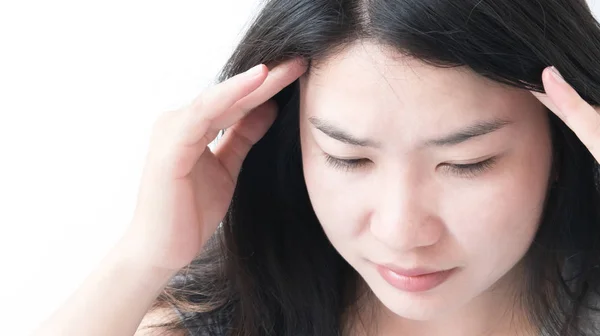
column 278, row 78
column 196, row 118
column 582, row 118
column 239, row 139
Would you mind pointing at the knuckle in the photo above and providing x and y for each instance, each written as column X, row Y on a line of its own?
column 164, row 120
column 238, row 143
column 163, row 126
column 167, row 160
column 576, row 105
column 203, row 99
column 571, row 109
column 242, row 141
column 165, row 117
column 202, row 106
column 200, row 101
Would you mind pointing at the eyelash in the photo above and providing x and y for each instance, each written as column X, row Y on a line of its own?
column 472, row 169
column 343, row 164
column 465, row 170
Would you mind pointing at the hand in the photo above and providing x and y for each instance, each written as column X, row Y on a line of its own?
column 185, row 188
column 575, row 112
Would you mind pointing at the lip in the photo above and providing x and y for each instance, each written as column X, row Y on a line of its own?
column 414, row 279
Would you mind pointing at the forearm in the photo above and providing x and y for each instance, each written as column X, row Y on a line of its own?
column 111, row 301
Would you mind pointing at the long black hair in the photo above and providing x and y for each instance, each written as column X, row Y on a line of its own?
column 270, row 270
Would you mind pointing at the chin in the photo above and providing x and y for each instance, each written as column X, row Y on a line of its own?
column 418, row 308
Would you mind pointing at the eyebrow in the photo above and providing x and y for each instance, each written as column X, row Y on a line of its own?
column 479, row 128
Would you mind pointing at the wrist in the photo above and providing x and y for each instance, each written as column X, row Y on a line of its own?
column 126, row 254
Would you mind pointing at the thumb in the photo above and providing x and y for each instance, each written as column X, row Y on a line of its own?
column 237, row 141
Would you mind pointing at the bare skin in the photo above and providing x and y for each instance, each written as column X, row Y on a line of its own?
column 184, row 193
column 186, row 190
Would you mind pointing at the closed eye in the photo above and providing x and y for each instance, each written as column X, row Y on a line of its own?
column 345, row 164
column 463, row 170
column 471, row 169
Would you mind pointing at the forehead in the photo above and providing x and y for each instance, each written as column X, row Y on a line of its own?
column 368, row 84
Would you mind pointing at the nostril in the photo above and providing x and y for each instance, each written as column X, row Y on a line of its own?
column 405, row 235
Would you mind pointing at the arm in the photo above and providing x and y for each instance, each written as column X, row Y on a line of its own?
column 184, row 194
column 111, row 301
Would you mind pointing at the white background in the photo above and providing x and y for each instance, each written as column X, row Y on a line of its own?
column 80, row 84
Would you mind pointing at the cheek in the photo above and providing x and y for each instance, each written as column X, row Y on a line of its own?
column 338, row 198
column 496, row 221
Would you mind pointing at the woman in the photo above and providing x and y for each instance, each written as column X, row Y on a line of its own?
column 419, row 170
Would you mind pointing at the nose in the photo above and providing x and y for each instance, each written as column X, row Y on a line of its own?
column 404, row 217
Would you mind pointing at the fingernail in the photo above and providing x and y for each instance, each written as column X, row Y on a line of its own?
column 557, row 75
column 254, row 71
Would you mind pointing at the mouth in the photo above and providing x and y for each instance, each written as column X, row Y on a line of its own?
column 415, row 279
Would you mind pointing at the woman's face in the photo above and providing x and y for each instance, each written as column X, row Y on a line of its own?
column 446, row 170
